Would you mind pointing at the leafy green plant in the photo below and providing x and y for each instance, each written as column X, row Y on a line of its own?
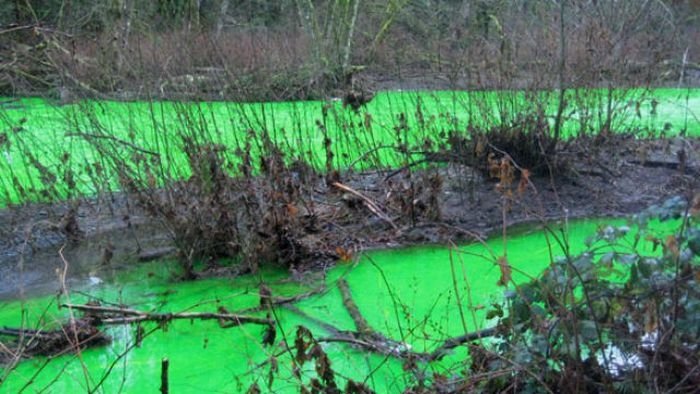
column 621, row 316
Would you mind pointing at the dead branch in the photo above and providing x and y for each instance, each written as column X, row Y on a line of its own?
column 103, row 309
column 72, row 336
column 671, row 165
column 156, row 253
column 323, row 324
column 452, row 343
column 277, row 301
column 88, row 136
column 371, row 205
column 365, row 338
column 406, row 167
column 110, row 315
column 349, row 303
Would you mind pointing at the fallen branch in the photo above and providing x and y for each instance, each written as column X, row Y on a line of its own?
column 370, row 340
column 365, row 338
column 153, row 254
column 360, row 321
column 324, row 325
column 406, row 167
column 371, row 205
column 88, row 136
column 102, row 309
column 452, row 343
column 73, row 335
column 111, row 315
column 277, row 301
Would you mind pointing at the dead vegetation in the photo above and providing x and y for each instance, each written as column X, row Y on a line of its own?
column 298, row 50
column 214, row 215
column 72, row 336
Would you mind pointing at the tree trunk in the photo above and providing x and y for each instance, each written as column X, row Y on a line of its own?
column 222, row 18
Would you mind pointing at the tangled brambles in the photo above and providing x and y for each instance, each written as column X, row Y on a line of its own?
column 258, row 216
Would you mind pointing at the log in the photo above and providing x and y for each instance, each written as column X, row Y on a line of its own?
column 111, row 315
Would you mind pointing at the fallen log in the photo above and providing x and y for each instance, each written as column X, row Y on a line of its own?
column 365, row 337
column 85, row 332
column 72, row 336
column 368, row 339
column 112, row 315
column 360, row 321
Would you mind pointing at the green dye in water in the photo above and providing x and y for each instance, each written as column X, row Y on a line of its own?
column 56, row 135
column 414, row 295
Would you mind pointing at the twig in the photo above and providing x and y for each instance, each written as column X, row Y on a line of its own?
column 19, row 332
column 377, row 342
column 164, row 317
column 452, row 343
column 371, row 205
column 102, row 309
column 406, row 167
column 88, row 136
column 276, row 301
column 369, row 152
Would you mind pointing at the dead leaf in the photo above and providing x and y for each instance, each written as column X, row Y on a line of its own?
column 292, row 210
column 343, row 254
column 672, row 246
column 524, row 181
column 695, row 206
column 506, row 271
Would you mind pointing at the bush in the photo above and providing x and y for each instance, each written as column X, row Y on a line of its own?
column 613, row 318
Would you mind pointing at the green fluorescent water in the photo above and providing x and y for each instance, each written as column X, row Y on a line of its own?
column 413, row 295
column 54, row 135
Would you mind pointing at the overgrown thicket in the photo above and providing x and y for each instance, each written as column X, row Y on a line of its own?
column 263, row 50
column 618, row 317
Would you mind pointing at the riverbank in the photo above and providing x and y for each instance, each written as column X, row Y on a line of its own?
column 368, row 210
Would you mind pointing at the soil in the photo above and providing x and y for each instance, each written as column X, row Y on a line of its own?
column 617, row 177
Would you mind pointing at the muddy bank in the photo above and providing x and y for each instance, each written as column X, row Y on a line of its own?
column 444, row 200
column 91, row 235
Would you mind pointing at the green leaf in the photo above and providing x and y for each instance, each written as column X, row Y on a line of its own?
column 694, row 244
column 607, row 259
column 627, row 258
column 645, row 269
column 588, row 330
column 634, row 276
column 496, row 312
column 539, row 344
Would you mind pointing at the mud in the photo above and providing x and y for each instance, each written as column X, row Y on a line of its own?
column 618, row 177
